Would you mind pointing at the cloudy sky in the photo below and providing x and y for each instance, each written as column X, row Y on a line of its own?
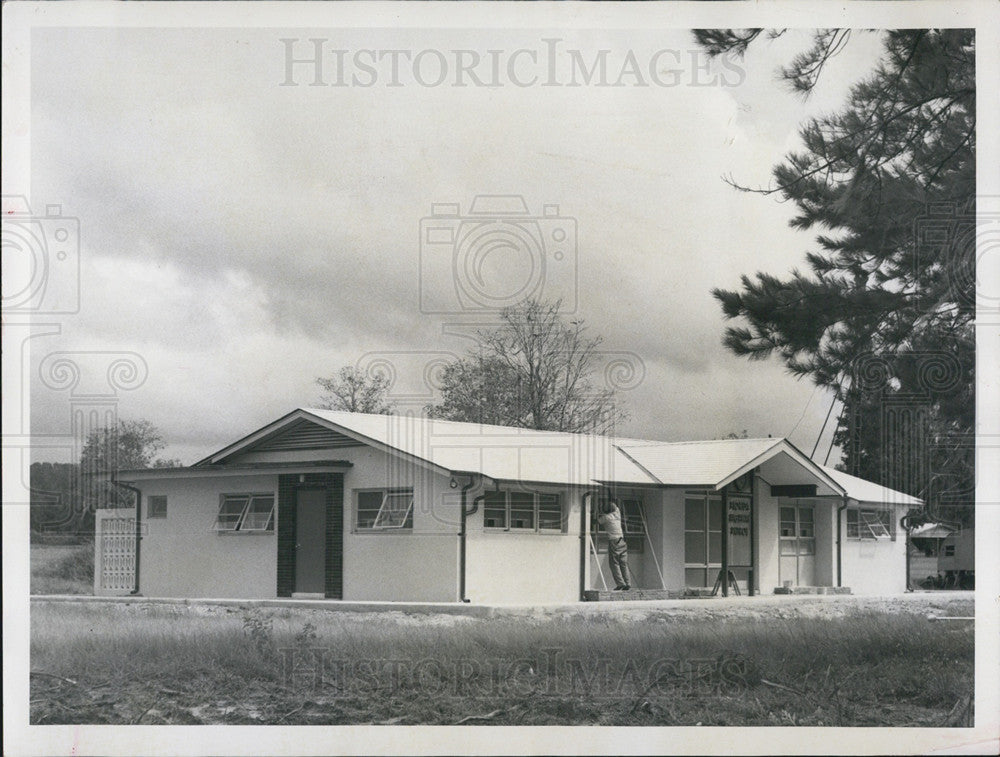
column 244, row 237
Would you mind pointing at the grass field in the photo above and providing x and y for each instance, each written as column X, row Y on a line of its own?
column 62, row 568
column 184, row 665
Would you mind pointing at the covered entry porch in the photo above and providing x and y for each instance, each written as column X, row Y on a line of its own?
column 759, row 517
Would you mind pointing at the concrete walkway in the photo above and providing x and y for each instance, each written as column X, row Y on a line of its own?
column 928, row 602
column 332, row 605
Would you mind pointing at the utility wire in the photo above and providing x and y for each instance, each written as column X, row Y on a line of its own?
column 788, row 435
column 820, row 436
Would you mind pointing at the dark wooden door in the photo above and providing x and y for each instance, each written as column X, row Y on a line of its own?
column 310, row 541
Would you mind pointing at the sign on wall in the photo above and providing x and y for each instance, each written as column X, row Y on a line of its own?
column 738, row 530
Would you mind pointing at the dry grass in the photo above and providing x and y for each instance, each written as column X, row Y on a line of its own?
column 176, row 664
column 62, row 568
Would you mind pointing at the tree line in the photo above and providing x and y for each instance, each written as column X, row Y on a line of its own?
column 64, row 496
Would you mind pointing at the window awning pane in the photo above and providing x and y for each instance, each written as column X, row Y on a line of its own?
column 369, row 503
column 394, row 511
column 258, row 514
column 495, row 510
column 230, row 513
column 874, row 525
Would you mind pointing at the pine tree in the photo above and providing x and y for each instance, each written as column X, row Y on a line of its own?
column 884, row 314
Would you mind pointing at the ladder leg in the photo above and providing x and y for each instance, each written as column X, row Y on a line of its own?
column 597, row 559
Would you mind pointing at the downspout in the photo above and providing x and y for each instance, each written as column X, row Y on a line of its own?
column 584, row 533
column 462, row 534
column 907, row 525
column 138, row 526
column 839, row 540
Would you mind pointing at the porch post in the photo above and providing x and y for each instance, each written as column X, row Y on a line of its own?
column 725, row 540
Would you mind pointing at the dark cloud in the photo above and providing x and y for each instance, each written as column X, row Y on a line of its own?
column 246, row 237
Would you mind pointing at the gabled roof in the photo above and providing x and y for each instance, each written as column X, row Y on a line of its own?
column 504, row 453
column 679, row 463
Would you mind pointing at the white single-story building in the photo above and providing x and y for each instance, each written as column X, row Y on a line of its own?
column 380, row 507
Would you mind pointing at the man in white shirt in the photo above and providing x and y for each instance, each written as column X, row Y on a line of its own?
column 611, row 520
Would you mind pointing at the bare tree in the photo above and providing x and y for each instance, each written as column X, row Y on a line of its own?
column 532, row 371
column 353, row 390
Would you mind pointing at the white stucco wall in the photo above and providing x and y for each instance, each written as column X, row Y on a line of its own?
column 868, row 566
column 182, row 556
column 512, row 567
column 874, row 566
column 673, row 539
column 420, row 565
column 507, row 568
column 765, row 538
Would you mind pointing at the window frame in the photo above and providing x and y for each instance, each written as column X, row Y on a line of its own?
column 536, row 497
column 156, row 514
column 885, row 516
column 802, row 541
column 388, row 493
column 708, row 501
column 239, row 523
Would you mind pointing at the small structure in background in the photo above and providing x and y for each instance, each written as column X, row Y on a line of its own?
column 924, row 548
column 957, row 560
